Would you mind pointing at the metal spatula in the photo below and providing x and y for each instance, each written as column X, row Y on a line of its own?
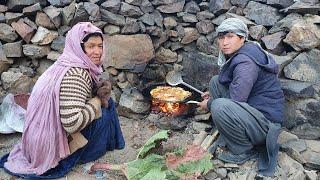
column 174, row 78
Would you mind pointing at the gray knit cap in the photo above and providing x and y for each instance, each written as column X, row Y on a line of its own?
column 233, row 25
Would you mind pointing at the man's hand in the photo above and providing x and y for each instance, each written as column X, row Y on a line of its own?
column 203, row 104
column 104, row 92
column 205, row 95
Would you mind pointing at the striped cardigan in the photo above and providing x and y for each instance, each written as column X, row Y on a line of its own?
column 75, row 91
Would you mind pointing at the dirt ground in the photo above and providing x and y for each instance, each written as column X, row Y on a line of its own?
column 136, row 133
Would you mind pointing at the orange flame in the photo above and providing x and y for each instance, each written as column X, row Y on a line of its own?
column 169, row 107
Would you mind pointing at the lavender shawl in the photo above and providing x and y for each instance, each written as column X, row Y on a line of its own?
column 44, row 141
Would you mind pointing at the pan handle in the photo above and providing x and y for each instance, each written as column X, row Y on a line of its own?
column 191, row 87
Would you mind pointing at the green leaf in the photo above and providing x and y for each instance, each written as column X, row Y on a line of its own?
column 152, row 142
column 155, row 173
column 139, row 168
column 203, row 166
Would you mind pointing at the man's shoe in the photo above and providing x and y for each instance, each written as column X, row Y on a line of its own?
column 239, row 158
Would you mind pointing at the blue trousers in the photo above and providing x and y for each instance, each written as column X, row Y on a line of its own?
column 103, row 134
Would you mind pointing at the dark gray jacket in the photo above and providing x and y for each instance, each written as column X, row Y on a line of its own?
column 252, row 77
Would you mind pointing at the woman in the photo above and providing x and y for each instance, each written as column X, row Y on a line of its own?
column 60, row 108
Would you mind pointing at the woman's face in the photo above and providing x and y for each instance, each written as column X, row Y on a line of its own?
column 93, row 49
column 230, row 43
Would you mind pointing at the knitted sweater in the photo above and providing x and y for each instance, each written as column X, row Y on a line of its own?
column 75, row 91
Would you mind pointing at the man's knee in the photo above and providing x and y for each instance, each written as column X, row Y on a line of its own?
column 214, row 80
column 220, row 107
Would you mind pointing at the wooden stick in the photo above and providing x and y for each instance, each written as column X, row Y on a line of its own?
column 209, row 140
column 199, row 138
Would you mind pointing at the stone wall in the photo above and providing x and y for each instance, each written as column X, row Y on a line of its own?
column 146, row 39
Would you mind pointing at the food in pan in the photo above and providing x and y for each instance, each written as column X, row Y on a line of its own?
column 170, row 94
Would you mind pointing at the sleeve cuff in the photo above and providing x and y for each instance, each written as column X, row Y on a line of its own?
column 209, row 103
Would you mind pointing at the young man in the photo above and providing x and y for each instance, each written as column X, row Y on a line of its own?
column 245, row 99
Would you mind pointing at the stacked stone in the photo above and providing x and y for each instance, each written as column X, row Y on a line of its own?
column 147, row 38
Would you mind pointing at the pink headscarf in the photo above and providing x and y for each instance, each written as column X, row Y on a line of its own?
column 44, row 141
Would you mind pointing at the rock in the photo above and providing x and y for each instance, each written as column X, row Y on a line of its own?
column 80, row 14
column 219, row 6
column 166, row 56
column 296, row 89
column 68, row 13
column 111, row 29
column 191, row 7
column 2, row 18
column 199, row 126
column 281, row 3
column 44, row 64
column 42, row 19
column 189, row 18
column 12, row 17
column 262, row 14
column 241, row 3
column 274, row 43
column 130, row 28
column 286, row 23
column 191, row 34
column 288, row 165
column 13, row 49
column 221, row 172
column 205, row 27
column 202, row 117
column 134, row 101
column 313, row 145
column 169, row 22
column 131, row 56
column 201, row 66
column 173, row 6
column 147, row 19
column 7, row 33
column 54, row 14
column 93, row 10
column 146, row 6
column 312, row 159
column 112, row 5
column 157, row 18
column 303, row 36
column 311, row 175
column 204, row 45
column 243, row 19
column 58, row 43
column 18, row 5
column 257, row 32
column 285, row 137
column 35, row 51
column 130, row 10
column 134, row 2
column 302, row 8
column 53, row 55
column 8, row 78
column 305, row 67
column 44, row 36
column 23, row 85
column 205, row 15
column 32, row 10
column 60, row 3
column 112, row 18
column 3, row 8
column 24, row 30
column 283, row 61
column 299, row 145
column 63, row 30
column 307, row 131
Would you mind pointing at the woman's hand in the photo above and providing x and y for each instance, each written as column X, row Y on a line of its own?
column 104, row 92
column 203, row 104
column 205, row 95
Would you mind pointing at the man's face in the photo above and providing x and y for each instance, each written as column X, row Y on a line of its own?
column 93, row 49
column 230, row 43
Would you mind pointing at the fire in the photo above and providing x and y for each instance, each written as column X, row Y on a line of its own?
column 169, row 107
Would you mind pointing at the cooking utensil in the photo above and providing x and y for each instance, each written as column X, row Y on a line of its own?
column 174, row 78
column 192, row 102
